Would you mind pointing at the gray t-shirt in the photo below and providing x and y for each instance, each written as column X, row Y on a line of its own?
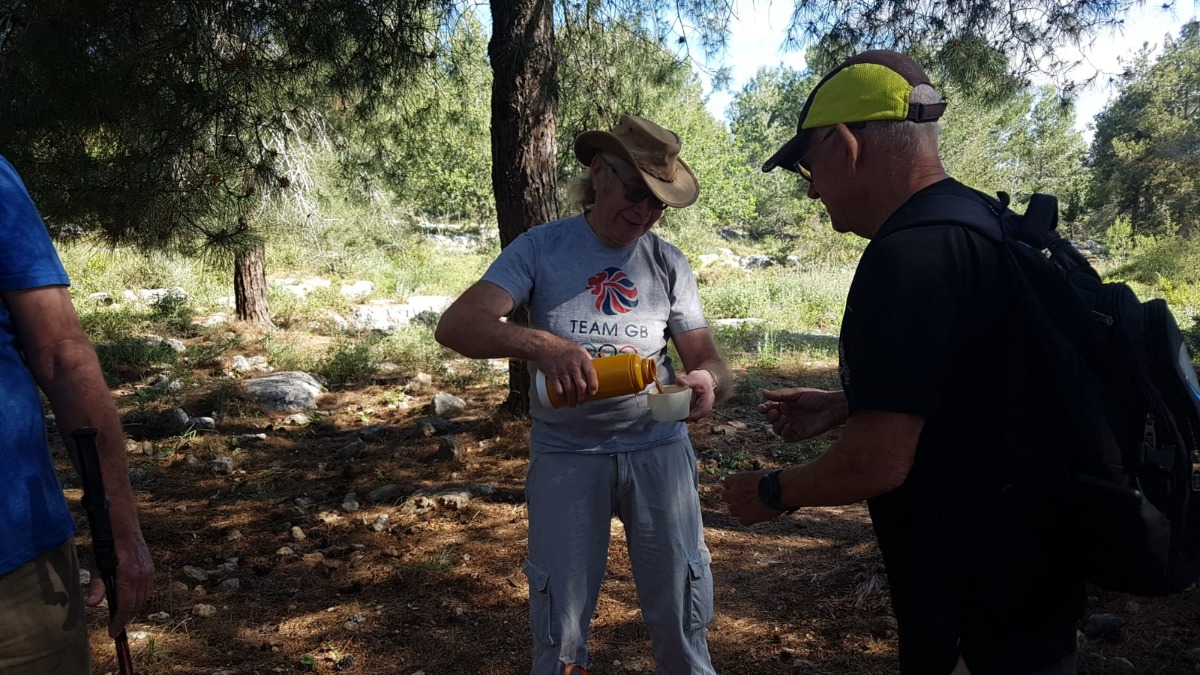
column 610, row 300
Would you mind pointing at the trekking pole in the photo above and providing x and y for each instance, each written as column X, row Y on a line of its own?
column 104, row 550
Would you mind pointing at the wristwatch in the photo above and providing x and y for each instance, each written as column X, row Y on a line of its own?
column 769, row 492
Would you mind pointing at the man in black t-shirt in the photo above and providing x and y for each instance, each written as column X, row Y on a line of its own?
column 932, row 389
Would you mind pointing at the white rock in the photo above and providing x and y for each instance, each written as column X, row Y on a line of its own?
column 239, row 364
column 203, row 610
column 358, row 289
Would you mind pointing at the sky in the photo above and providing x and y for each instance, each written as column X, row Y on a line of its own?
column 757, row 35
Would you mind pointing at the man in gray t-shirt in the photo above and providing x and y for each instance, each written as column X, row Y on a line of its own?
column 599, row 284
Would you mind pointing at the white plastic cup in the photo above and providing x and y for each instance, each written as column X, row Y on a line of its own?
column 542, row 387
column 672, row 405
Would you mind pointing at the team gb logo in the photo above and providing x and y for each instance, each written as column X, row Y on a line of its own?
column 614, row 291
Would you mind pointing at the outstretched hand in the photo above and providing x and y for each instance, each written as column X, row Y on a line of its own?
column 799, row 413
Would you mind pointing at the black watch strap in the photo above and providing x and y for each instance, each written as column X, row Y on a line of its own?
column 769, row 492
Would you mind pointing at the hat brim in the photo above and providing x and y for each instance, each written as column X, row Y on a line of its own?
column 683, row 191
column 786, row 156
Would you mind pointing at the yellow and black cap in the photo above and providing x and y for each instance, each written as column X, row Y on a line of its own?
column 869, row 87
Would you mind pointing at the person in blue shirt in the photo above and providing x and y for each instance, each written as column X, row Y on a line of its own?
column 42, row 345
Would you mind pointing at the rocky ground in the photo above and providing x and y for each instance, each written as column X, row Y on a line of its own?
column 384, row 532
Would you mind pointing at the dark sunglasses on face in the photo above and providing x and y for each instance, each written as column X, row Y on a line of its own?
column 802, row 166
column 636, row 194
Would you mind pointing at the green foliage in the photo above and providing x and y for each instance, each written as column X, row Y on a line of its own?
column 1189, row 326
column 1119, row 236
column 766, row 109
column 173, row 123
column 986, row 48
column 764, row 115
column 1167, row 267
column 1156, row 258
column 1023, row 144
column 174, row 312
column 412, row 348
column 354, row 239
column 431, row 151
column 809, row 299
column 1143, row 157
column 350, row 359
column 130, row 356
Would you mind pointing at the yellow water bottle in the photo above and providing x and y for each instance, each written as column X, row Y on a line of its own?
column 619, row 375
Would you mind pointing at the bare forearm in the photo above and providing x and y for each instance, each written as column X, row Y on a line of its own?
column 835, row 478
column 872, row 457
column 71, row 378
column 486, row 338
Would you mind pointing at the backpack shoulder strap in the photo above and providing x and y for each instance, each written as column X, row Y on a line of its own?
column 991, row 217
column 982, row 215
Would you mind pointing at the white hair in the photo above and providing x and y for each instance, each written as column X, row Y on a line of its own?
column 906, row 138
column 581, row 192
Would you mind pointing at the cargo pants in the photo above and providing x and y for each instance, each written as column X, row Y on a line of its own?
column 572, row 499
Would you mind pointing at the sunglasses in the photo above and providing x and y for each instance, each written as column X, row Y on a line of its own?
column 636, row 193
column 802, row 166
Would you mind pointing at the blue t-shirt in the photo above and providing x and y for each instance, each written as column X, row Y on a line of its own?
column 33, row 512
column 610, row 300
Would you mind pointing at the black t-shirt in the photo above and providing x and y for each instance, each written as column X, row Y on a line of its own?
column 930, row 329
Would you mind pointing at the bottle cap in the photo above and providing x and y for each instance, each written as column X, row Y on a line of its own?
column 543, row 392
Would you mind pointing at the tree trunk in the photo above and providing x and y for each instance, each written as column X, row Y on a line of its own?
column 524, row 109
column 250, row 286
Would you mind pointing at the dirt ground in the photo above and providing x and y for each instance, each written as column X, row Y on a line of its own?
column 442, row 591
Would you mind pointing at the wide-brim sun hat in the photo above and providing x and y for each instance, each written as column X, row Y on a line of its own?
column 872, row 86
column 649, row 148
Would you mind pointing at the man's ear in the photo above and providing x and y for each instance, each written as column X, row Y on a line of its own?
column 851, row 148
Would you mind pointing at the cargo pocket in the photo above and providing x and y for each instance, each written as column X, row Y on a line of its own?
column 539, row 604
column 700, row 590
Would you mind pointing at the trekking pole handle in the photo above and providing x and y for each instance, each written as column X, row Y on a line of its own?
column 104, row 549
column 95, row 501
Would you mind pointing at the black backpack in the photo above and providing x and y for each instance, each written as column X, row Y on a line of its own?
column 1113, row 408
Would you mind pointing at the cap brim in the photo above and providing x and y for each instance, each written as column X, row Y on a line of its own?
column 786, row 156
column 684, row 191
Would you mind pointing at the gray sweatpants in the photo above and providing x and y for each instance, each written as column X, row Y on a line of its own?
column 572, row 499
